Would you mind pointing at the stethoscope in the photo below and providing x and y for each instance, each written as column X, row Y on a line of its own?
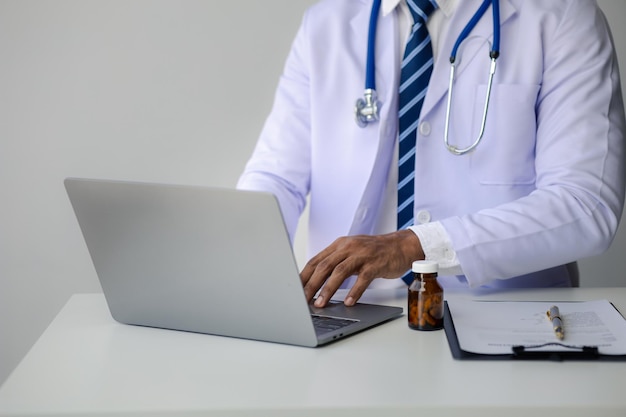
column 367, row 108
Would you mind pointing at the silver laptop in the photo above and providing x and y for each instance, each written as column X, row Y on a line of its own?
column 207, row 260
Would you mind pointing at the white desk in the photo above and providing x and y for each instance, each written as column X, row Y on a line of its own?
column 87, row 364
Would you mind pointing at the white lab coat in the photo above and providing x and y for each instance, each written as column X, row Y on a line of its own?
column 544, row 188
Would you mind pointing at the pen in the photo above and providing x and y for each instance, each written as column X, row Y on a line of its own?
column 557, row 323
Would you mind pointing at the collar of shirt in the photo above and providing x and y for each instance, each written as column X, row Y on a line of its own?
column 437, row 23
column 445, row 6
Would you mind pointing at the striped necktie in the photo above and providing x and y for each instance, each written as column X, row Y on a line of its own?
column 417, row 66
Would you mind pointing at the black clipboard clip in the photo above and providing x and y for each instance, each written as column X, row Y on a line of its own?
column 573, row 352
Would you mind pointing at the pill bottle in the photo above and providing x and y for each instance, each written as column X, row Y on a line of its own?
column 425, row 297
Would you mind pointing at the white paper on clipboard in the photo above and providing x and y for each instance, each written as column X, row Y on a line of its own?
column 494, row 327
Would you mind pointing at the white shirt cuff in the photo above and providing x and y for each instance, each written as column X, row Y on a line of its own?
column 437, row 247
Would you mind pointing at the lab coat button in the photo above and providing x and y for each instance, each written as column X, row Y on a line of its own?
column 424, row 128
column 423, row 216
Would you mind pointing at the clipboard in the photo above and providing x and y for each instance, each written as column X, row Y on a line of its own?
column 587, row 353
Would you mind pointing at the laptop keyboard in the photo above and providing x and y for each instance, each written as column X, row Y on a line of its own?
column 325, row 324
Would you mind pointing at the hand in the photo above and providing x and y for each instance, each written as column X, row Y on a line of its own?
column 368, row 257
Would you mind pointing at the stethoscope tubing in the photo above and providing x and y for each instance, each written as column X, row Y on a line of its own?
column 495, row 49
column 366, row 110
column 493, row 55
column 370, row 76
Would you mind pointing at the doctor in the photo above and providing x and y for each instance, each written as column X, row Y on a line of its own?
column 544, row 187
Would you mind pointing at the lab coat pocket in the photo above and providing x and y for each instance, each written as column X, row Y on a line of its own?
column 506, row 154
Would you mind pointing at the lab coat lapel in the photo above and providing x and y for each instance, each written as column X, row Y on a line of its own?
column 376, row 156
column 468, row 52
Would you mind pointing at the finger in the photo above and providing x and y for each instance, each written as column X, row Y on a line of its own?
column 309, row 269
column 309, row 284
column 340, row 273
column 323, row 270
column 363, row 281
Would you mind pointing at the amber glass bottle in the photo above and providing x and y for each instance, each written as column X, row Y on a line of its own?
column 425, row 297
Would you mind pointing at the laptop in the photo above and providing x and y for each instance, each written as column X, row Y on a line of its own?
column 204, row 259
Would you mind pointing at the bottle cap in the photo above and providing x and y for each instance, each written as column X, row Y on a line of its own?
column 425, row 267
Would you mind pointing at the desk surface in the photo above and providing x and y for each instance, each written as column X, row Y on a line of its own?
column 85, row 364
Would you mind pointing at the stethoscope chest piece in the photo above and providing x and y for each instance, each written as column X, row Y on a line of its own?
column 366, row 108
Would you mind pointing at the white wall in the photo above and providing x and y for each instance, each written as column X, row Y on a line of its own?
column 171, row 91
column 609, row 269
column 157, row 90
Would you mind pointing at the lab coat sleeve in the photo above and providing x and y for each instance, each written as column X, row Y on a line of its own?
column 575, row 208
column 280, row 163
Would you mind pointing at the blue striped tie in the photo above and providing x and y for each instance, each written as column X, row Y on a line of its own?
column 417, row 66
